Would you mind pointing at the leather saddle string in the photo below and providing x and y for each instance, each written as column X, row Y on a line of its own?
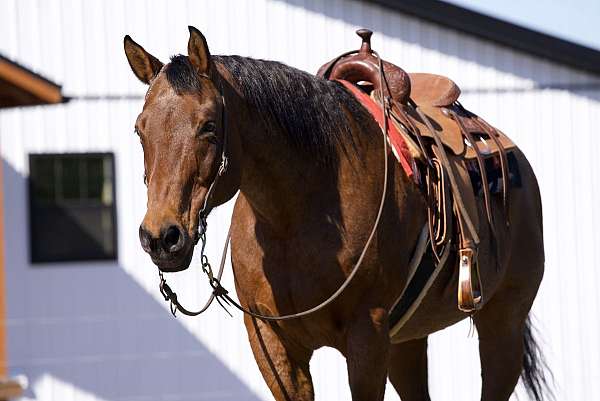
column 413, row 128
column 220, row 292
column 435, row 189
column 453, row 183
column 484, row 181
column 437, row 216
column 492, row 132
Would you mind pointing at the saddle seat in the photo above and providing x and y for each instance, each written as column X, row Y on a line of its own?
column 432, row 89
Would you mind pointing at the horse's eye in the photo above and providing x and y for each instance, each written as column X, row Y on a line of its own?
column 209, row 126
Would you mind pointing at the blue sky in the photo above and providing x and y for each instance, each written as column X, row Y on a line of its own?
column 574, row 20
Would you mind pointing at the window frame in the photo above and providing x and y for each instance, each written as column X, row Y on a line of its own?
column 35, row 260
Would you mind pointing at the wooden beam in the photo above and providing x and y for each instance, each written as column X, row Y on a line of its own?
column 42, row 89
column 10, row 389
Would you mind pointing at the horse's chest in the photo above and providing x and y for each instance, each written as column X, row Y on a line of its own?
column 293, row 270
column 279, row 276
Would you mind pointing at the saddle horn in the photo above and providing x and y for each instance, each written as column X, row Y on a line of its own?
column 363, row 66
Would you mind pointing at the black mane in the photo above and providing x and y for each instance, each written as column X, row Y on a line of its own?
column 311, row 111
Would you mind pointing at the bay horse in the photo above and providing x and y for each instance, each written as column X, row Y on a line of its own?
column 306, row 158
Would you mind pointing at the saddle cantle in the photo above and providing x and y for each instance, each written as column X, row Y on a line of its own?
column 433, row 90
column 447, row 140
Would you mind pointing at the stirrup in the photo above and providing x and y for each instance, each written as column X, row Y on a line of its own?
column 469, row 290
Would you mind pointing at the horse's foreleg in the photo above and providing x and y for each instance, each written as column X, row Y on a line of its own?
column 367, row 355
column 408, row 370
column 285, row 368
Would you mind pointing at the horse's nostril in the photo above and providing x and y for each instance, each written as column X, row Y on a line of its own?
column 173, row 239
column 148, row 244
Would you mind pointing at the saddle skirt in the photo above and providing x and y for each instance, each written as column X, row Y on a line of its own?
column 452, row 136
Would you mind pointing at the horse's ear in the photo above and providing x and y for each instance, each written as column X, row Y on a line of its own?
column 144, row 65
column 198, row 51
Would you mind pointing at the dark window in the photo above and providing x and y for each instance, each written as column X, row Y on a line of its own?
column 72, row 207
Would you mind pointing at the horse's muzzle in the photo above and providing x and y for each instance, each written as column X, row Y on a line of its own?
column 171, row 250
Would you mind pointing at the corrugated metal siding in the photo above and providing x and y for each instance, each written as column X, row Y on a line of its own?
column 100, row 331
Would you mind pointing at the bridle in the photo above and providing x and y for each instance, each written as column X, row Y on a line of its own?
column 165, row 290
column 219, row 292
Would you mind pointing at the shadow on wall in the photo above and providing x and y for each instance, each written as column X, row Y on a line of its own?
column 92, row 326
column 402, row 27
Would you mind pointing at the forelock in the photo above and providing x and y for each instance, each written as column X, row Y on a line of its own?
column 182, row 75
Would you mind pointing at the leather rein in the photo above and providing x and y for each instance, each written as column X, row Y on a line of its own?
column 219, row 292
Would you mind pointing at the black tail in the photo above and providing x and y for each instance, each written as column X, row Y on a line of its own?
column 535, row 367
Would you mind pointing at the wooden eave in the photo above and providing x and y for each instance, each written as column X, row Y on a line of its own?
column 20, row 86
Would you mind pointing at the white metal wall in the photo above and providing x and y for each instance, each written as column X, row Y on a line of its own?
column 100, row 331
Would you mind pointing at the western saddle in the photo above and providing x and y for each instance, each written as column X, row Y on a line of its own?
column 443, row 138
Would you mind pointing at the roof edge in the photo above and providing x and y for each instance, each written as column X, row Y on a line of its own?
column 44, row 90
column 499, row 31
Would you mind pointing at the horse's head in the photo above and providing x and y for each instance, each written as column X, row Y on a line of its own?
column 181, row 131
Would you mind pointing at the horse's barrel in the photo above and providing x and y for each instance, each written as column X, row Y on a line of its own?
column 364, row 66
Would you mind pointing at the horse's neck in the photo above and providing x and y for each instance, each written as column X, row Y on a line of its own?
column 279, row 184
column 285, row 187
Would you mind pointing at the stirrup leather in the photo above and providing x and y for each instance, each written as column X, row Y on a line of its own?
column 469, row 282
